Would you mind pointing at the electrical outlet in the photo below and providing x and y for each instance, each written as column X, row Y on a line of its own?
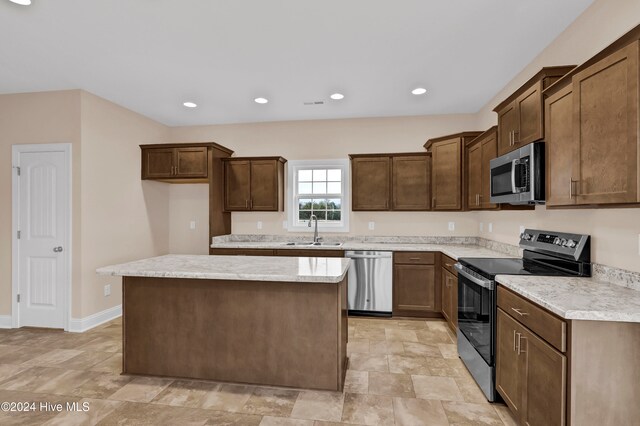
column 259, row 224
column 285, row 224
column 192, row 224
column 490, row 227
column 372, row 226
column 107, row 290
column 481, row 226
column 452, row 226
column 521, row 229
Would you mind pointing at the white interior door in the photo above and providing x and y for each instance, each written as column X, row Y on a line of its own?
column 43, row 221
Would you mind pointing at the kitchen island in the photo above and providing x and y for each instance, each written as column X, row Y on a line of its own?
column 264, row 320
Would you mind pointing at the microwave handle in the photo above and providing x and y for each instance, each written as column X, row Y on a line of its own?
column 514, row 163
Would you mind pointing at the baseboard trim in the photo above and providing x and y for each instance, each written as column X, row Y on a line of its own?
column 79, row 325
column 6, row 321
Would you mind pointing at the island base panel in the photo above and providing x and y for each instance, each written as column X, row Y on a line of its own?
column 269, row 333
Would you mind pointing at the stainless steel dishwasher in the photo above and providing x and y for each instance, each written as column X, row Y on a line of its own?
column 370, row 282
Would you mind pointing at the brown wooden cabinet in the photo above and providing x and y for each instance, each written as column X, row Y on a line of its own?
column 531, row 371
column 449, row 294
column 399, row 182
column 591, row 126
column 448, row 171
column 521, row 115
column 178, row 163
column 254, row 184
column 480, row 152
column 414, row 284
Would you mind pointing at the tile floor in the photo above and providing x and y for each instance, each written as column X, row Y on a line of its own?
column 401, row 372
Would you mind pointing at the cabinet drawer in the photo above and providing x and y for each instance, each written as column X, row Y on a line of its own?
column 543, row 323
column 415, row 258
column 447, row 263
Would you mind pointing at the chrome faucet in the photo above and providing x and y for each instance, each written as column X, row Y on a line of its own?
column 316, row 239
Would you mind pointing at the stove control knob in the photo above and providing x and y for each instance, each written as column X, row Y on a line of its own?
column 571, row 244
column 526, row 237
column 563, row 242
column 557, row 241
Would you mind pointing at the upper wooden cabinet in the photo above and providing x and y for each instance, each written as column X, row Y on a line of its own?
column 399, row 182
column 254, row 184
column 479, row 153
column 521, row 115
column 179, row 163
column 591, row 122
column 448, row 170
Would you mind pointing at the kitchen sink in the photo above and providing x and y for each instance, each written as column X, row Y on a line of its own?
column 314, row 244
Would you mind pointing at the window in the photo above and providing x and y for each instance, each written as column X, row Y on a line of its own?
column 318, row 188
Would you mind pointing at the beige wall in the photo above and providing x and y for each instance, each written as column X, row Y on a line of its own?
column 35, row 118
column 311, row 140
column 615, row 232
column 123, row 217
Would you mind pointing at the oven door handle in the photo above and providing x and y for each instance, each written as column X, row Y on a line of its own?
column 482, row 283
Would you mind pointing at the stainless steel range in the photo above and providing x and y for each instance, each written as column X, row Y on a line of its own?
column 545, row 253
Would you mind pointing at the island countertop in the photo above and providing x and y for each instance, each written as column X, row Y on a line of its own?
column 245, row 268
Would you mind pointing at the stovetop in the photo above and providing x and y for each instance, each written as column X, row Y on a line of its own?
column 490, row 267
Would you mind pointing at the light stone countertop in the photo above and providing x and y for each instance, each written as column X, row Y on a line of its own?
column 454, row 251
column 241, row 268
column 576, row 298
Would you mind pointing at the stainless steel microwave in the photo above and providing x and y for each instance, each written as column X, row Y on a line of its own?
column 518, row 177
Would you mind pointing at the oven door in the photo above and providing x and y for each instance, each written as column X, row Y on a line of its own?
column 477, row 311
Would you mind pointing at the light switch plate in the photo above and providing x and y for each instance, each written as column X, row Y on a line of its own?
column 452, row 226
column 372, row 226
column 284, row 224
column 192, row 224
column 490, row 227
column 107, row 290
column 259, row 224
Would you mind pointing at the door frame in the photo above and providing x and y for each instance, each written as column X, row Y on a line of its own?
column 16, row 150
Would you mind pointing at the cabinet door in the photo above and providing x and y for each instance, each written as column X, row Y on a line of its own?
column 411, row 183
column 489, row 152
column 474, row 177
column 446, row 175
column 508, row 363
column 157, row 163
column 529, row 116
column 507, row 124
column 237, row 190
column 264, row 185
column 370, row 183
column 446, row 295
column 559, row 148
column 605, row 112
column 414, row 289
column 544, row 382
column 191, row 162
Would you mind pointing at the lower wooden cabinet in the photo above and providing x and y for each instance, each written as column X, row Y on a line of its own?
column 530, row 374
column 450, row 298
column 414, row 285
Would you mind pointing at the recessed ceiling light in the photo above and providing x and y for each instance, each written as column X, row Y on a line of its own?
column 190, row 104
column 337, row 96
column 419, row 91
column 261, row 100
column 21, row 2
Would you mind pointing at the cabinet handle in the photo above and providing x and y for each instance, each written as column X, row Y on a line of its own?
column 251, row 203
column 246, row 204
column 510, row 138
column 433, row 201
column 519, row 312
column 386, row 204
column 414, row 258
column 515, row 141
column 448, row 265
column 520, row 339
column 514, row 340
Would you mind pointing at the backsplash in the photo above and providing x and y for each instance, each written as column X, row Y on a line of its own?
column 616, row 276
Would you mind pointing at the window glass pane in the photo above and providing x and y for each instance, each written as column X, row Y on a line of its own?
column 304, row 175
column 334, row 175
column 304, row 204
column 322, row 215
column 319, row 187
column 319, row 204
column 304, row 215
column 334, row 204
column 334, row 188
column 319, row 175
column 304, row 188
column 333, row 215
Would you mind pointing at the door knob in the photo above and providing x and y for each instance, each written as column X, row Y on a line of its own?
column 57, row 249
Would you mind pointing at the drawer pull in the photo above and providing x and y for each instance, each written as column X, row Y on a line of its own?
column 414, row 258
column 519, row 312
column 448, row 265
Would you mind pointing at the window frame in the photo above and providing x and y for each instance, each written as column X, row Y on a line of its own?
column 293, row 166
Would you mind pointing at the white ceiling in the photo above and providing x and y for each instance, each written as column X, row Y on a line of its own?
column 152, row 55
